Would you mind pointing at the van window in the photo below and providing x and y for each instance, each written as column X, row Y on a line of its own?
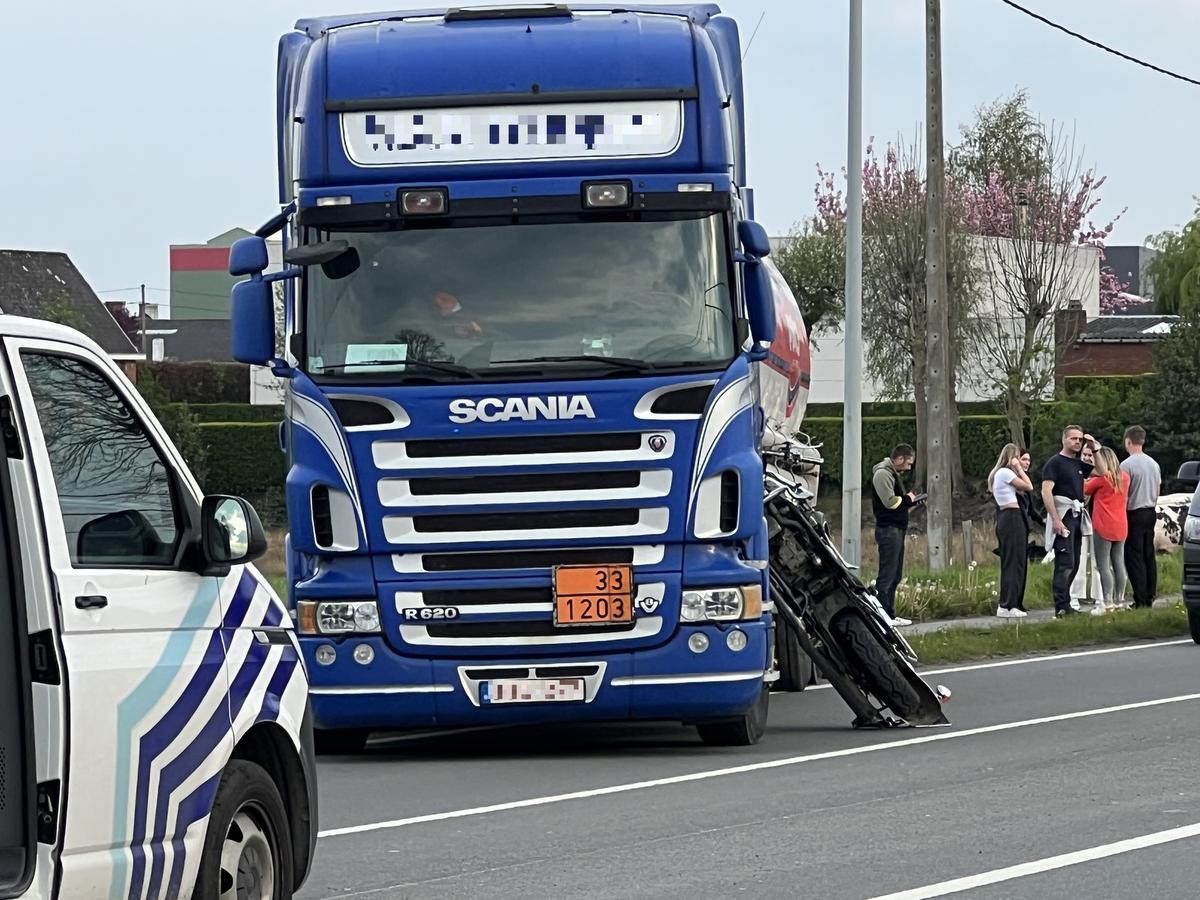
column 114, row 490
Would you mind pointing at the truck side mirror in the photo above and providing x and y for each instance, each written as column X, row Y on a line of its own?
column 754, row 240
column 253, row 322
column 1189, row 473
column 231, row 532
column 760, row 307
column 248, row 256
column 337, row 259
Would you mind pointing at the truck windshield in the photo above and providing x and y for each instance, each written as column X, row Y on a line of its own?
column 609, row 296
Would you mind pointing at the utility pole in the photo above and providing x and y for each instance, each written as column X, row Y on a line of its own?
column 937, row 340
column 142, row 322
column 853, row 362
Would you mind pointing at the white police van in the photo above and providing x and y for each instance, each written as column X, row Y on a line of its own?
column 154, row 735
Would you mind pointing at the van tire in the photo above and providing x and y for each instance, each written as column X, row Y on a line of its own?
column 247, row 831
column 340, row 741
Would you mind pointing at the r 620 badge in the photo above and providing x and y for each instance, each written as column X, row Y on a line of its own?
column 431, row 613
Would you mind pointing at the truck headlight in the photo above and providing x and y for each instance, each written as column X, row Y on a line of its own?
column 721, row 604
column 1191, row 529
column 337, row 617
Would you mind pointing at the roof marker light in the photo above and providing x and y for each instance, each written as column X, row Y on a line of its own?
column 695, row 188
column 423, row 203
column 333, row 201
column 614, row 194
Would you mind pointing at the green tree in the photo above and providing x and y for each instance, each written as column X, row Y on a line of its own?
column 1004, row 138
column 1172, row 413
column 58, row 309
column 1175, row 272
column 813, row 262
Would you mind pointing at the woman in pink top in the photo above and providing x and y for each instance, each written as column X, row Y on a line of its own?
column 1109, row 488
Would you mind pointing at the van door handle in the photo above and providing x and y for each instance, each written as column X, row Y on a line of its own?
column 91, row 602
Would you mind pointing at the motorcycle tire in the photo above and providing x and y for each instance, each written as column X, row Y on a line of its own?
column 880, row 672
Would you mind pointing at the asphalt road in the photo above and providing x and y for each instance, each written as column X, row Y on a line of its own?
column 1037, row 764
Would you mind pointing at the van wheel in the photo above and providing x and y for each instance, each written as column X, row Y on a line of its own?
column 247, row 851
column 1194, row 623
column 340, row 741
column 741, row 732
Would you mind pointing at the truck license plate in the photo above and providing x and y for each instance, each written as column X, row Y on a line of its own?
column 532, row 690
column 593, row 595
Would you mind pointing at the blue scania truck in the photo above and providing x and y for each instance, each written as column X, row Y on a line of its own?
column 533, row 343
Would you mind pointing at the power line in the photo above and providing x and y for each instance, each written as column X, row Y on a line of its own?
column 1087, row 40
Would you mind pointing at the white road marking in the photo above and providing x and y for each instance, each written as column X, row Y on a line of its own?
column 1048, row 864
column 749, row 767
column 1004, row 663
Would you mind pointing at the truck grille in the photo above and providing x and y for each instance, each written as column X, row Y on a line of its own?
column 517, row 616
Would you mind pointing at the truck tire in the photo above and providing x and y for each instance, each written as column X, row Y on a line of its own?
column 1194, row 623
column 741, row 732
column 795, row 667
column 340, row 741
column 883, row 677
column 247, row 848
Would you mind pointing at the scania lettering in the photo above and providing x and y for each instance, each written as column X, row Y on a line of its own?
column 533, row 346
column 155, row 736
column 494, row 409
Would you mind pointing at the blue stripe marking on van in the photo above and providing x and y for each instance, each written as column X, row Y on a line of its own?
column 138, row 704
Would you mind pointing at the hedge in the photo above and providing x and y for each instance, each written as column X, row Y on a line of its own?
column 243, row 458
column 981, row 438
column 1078, row 387
column 235, row 412
column 201, row 382
column 903, row 408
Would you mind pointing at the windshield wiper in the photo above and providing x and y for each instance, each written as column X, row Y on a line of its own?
column 449, row 368
column 617, row 362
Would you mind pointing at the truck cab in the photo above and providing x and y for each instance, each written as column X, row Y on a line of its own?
column 155, row 739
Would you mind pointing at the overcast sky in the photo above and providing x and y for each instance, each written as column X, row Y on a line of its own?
column 130, row 125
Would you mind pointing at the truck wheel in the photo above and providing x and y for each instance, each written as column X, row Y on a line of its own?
column 247, row 850
column 795, row 666
column 1194, row 623
column 882, row 676
column 740, row 732
column 340, row 741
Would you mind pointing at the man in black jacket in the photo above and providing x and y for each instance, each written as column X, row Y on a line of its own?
column 891, row 503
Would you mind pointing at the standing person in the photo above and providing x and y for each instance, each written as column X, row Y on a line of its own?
column 1109, row 488
column 891, row 503
column 1005, row 481
column 1062, row 494
column 1028, row 500
column 1145, row 479
column 1086, row 583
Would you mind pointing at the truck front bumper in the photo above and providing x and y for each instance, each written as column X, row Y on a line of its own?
column 671, row 682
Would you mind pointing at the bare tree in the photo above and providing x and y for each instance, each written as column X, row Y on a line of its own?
column 1036, row 261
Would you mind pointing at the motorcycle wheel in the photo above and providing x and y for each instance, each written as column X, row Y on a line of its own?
column 881, row 673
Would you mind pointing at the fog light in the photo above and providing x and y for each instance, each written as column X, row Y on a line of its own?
column 423, row 203
column 736, row 640
column 606, row 195
column 698, row 642
column 364, row 655
column 325, row 655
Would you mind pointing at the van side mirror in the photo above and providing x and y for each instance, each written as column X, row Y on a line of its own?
column 230, row 533
column 248, row 256
column 760, row 307
column 252, row 337
column 753, row 238
column 1189, row 473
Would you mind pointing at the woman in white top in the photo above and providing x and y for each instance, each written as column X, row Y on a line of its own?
column 1012, row 530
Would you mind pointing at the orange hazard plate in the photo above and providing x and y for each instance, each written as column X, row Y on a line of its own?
column 593, row 595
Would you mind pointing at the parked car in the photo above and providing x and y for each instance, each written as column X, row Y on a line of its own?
column 1189, row 474
column 155, row 739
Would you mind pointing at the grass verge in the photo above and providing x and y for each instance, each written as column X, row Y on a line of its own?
column 956, row 644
